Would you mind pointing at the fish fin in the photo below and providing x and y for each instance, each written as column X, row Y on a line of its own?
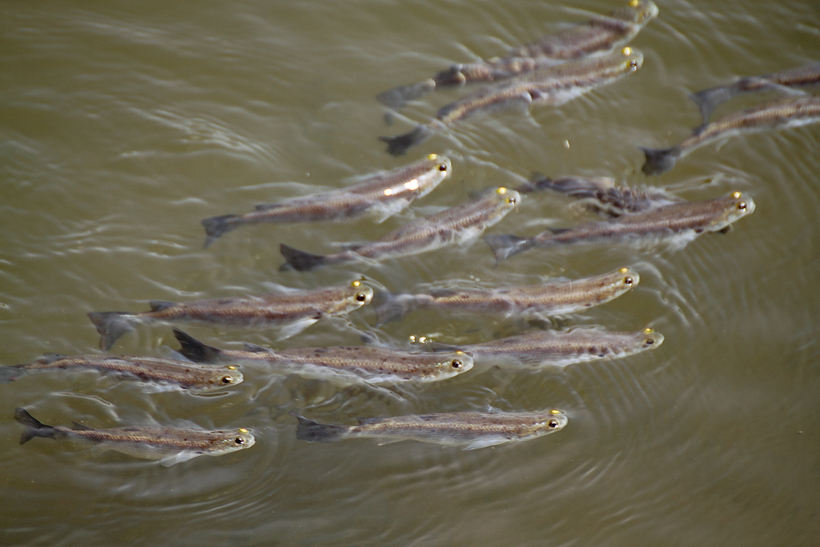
column 314, row 432
column 254, row 348
column 216, row 226
column 484, row 443
column 111, row 325
column 179, row 457
column 35, row 428
column 81, row 427
column 400, row 144
column 11, row 373
column 267, row 206
column 504, row 245
column 725, row 230
column 351, row 246
column 389, row 307
column 159, row 305
column 399, row 96
column 440, row 346
column 300, row 260
column 558, row 230
column 443, row 293
column 195, row 350
column 174, row 355
column 295, row 328
column 708, row 99
column 660, row 160
column 365, row 421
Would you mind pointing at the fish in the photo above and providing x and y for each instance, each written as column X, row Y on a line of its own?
column 709, row 99
column 560, row 348
column 382, row 195
column 599, row 35
column 683, row 221
column 546, row 299
column 782, row 113
column 552, row 85
column 146, row 369
column 601, row 195
column 293, row 311
column 459, row 224
column 473, row 430
column 344, row 364
column 169, row 445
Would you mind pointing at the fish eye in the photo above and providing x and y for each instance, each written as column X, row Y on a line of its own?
column 226, row 379
column 628, row 281
column 239, row 441
column 553, row 423
column 649, row 342
column 511, row 200
column 741, row 206
column 442, row 167
column 456, row 364
column 361, row 297
column 633, row 64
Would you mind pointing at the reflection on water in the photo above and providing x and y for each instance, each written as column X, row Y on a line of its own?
column 123, row 126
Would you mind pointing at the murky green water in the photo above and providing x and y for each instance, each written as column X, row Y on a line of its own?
column 123, row 125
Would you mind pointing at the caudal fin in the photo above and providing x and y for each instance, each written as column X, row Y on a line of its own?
column 389, row 307
column 300, row 260
column 399, row 96
column 216, row 226
column 708, row 99
column 505, row 245
column 314, row 432
column 11, row 373
column 195, row 350
column 659, row 160
column 400, row 144
column 111, row 325
column 34, row 428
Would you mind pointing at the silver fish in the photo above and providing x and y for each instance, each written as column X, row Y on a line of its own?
column 683, row 221
column 561, row 348
column 346, row 364
column 599, row 35
column 545, row 299
column 294, row 311
column 146, row 369
column 168, row 444
column 552, row 85
column 708, row 99
column 601, row 195
column 473, row 429
column 382, row 195
column 456, row 225
column 782, row 113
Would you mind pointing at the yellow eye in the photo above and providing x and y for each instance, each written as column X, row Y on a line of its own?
column 432, row 157
column 356, row 283
column 623, row 270
column 555, row 411
column 243, row 430
column 501, row 191
column 735, row 195
column 648, row 330
column 634, row 3
column 231, row 367
column 627, row 50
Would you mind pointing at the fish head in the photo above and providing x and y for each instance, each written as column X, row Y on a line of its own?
column 733, row 207
column 640, row 12
column 230, row 441
column 505, row 198
column 360, row 294
column 624, row 279
column 552, row 421
column 649, row 339
column 449, row 364
column 440, row 164
column 631, row 60
column 224, row 377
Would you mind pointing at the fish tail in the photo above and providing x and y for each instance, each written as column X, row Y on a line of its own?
column 195, row 350
column 111, row 325
column 11, row 373
column 300, row 260
column 505, row 245
column 389, row 307
column 216, row 226
column 708, row 99
column 400, row 144
column 660, row 160
column 314, row 432
column 400, row 96
column 34, row 428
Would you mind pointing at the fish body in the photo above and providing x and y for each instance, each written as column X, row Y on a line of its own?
column 685, row 220
column 469, row 429
column 168, row 444
column 708, row 99
column 382, row 194
column 545, row 299
column 601, row 195
column 147, row 369
column 347, row 364
column 599, row 35
column 292, row 310
column 456, row 225
column 782, row 113
column 561, row 348
column 551, row 85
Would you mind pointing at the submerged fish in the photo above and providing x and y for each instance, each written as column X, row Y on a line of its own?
column 599, row 35
column 145, row 369
column 544, row 299
column 561, row 348
column 382, row 194
column 782, row 113
column 456, row 225
column 371, row 364
column 473, row 429
column 292, row 310
column 685, row 220
column 552, row 85
column 168, row 444
column 601, row 195
column 708, row 99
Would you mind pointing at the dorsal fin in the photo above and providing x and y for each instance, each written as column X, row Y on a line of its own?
column 80, row 426
column 558, row 230
column 255, row 348
column 195, row 350
column 442, row 293
column 159, row 305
